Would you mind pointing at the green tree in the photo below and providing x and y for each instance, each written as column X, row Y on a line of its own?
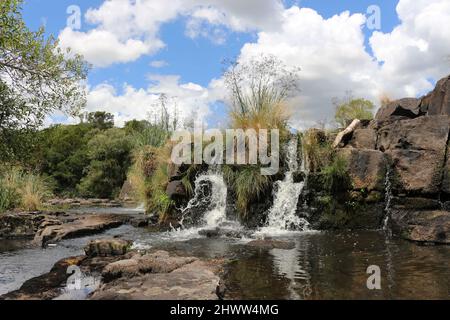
column 109, row 153
column 35, row 68
column 100, row 120
column 62, row 154
column 349, row 109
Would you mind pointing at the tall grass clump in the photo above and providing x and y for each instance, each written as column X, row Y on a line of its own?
column 22, row 190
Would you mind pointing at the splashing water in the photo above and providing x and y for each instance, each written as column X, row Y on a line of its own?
column 282, row 216
column 215, row 203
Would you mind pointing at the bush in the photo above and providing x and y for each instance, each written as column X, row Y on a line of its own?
column 248, row 184
column 336, row 177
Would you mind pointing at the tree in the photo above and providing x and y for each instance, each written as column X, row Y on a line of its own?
column 349, row 109
column 35, row 68
column 109, row 153
column 101, row 120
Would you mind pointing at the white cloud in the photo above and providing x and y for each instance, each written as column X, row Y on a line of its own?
column 102, row 48
column 128, row 29
column 159, row 64
column 135, row 103
column 416, row 50
column 331, row 52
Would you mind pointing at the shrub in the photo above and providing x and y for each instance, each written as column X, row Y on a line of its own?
column 336, row 177
column 318, row 149
column 248, row 184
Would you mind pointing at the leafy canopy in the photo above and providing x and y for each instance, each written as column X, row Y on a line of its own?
column 351, row 108
column 35, row 68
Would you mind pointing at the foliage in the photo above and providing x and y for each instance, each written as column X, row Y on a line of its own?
column 100, row 120
column 350, row 109
column 336, row 177
column 259, row 90
column 37, row 69
column 248, row 184
column 318, row 149
column 62, row 154
column 109, row 154
column 21, row 189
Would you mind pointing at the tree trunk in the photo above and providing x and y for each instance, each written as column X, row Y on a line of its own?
column 347, row 131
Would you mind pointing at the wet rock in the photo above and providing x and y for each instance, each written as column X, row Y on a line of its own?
column 367, row 168
column 416, row 203
column 20, row 225
column 78, row 226
column 158, row 262
column 224, row 232
column 47, row 286
column 195, row 281
column 437, row 102
column 417, row 148
column 422, row 226
column 107, row 247
column 363, row 139
column 407, row 108
column 268, row 244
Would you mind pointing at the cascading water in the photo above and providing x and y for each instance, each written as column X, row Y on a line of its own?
column 214, row 203
column 282, row 216
column 388, row 198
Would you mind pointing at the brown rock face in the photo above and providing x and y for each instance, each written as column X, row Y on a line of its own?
column 367, row 168
column 417, row 148
column 159, row 276
column 364, row 139
column 423, row 226
column 399, row 109
column 437, row 102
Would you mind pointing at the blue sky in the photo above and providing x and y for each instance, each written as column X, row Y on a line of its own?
column 197, row 59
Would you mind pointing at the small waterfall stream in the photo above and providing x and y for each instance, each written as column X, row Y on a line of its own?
column 388, row 198
column 282, row 216
column 214, row 203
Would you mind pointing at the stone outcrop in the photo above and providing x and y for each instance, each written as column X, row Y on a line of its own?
column 367, row 168
column 422, row 226
column 437, row 102
column 412, row 140
column 407, row 108
column 55, row 230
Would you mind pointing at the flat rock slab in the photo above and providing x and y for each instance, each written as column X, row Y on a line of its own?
column 272, row 244
column 78, row 226
column 422, row 226
column 194, row 281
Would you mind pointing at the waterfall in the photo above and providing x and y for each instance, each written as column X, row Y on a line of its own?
column 282, row 216
column 214, row 203
column 388, row 198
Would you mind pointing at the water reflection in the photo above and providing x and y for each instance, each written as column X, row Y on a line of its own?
column 333, row 266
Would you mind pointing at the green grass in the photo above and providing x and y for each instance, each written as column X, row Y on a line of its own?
column 22, row 190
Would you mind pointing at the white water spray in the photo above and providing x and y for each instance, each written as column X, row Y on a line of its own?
column 282, row 216
column 216, row 202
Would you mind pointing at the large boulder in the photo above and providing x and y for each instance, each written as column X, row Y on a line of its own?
column 407, row 108
column 437, row 102
column 417, row 148
column 422, row 226
column 367, row 168
column 107, row 247
column 363, row 139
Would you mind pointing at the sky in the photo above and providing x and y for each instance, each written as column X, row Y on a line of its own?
column 139, row 49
